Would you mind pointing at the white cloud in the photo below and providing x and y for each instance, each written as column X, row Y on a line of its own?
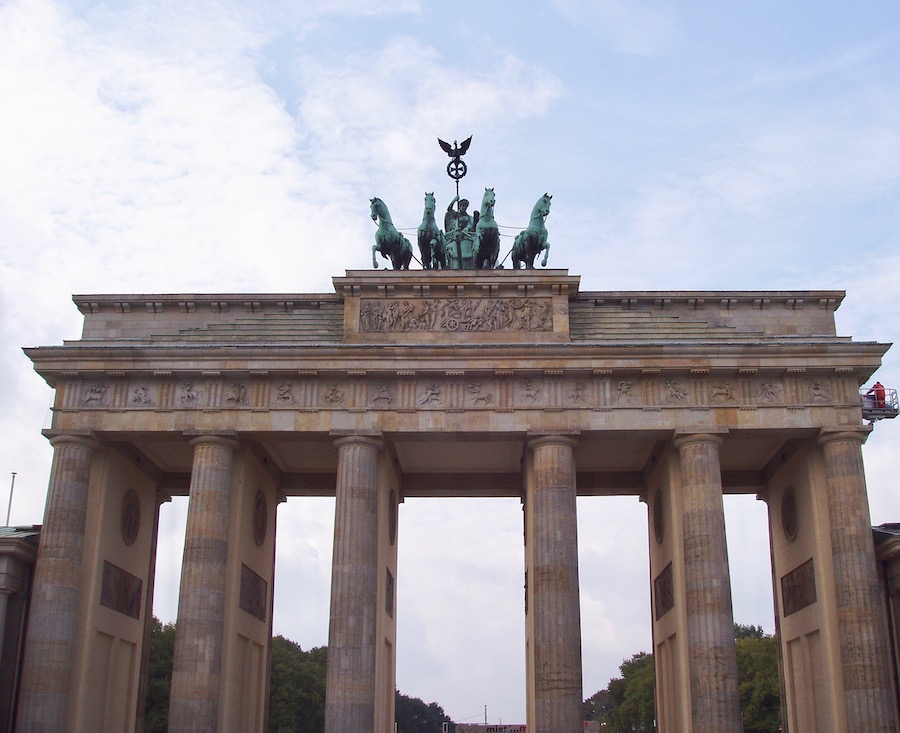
column 634, row 27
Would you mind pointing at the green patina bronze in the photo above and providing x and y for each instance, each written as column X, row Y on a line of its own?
column 530, row 242
column 468, row 242
column 388, row 241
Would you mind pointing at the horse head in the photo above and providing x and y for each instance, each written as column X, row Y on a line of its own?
column 429, row 204
column 377, row 208
column 487, row 202
column 542, row 207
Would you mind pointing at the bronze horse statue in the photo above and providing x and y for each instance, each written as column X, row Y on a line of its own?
column 388, row 240
column 431, row 238
column 487, row 234
column 529, row 243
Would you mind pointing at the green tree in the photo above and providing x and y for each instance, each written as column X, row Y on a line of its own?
column 744, row 631
column 635, row 708
column 297, row 693
column 159, row 676
column 627, row 703
column 758, row 683
column 415, row 716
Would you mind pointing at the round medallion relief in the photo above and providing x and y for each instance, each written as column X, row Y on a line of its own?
column 131, row 516
column 260, row 518
column 658, row 526
column 789, row 517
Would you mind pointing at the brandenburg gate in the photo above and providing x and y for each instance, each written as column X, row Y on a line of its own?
column 452, row 383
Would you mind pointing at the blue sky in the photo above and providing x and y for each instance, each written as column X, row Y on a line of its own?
column 226, row 147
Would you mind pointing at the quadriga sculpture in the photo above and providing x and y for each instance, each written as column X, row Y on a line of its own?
column 487, row 234
column 431, row 238
column 388, row 240
column 529, row 243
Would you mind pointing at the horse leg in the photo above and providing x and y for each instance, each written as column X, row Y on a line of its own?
column 375, row 248
column 426, row 249
column 546, row 254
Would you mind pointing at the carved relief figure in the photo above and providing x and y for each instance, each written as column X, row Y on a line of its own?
column 768, row 391
column 674, row 392
column 236, row 395
column 283, row 394
column 625, row 392
column 141, row 395
column 382, row 394
column 578, row 393
column 334, row 396
column 480, row 397
column 456, row 314
column 432, row 395
column 723, row 392
column 189, row 396
column 96, row 395
column 530, row 391
column 819, row 392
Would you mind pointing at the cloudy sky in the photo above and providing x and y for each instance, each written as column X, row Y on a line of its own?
column 232, row 147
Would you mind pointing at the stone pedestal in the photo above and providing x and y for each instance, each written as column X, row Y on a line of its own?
column 553, row 587
column 707, row 589
column 350, row 683
column 53, row 620
column 194, row 704
column 868, row 695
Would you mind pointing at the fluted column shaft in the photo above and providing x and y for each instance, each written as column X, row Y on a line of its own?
column 196, row 672
column 53, row 618
column 715, row 704
column 868, row 696
column 554, row 593
column 350, row 680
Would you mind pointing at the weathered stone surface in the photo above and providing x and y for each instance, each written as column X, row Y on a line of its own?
column 707, row 588
column 51, row 639
column 458, row 371
column 350, row 681
column 553, row 586
column 870, row 700
column 196, row 672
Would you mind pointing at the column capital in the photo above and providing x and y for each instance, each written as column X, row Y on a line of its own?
column 566, row 439
column 225, row 441
column 714, row 437
column 373, row 440
column 856, row 434
column 86, row 440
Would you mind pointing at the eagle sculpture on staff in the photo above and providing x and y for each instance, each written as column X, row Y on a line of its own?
column 456, row 168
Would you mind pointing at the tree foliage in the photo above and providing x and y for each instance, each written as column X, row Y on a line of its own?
column 159, row 676
column 627, row 703
column 415, row 716
column 297, row 692
column 758, row 683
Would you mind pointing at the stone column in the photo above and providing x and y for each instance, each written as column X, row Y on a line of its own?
column 715, row 705
column 350, row 681
column 53, row 618
column 553, row 592
column 194, row 702
column 868, row 695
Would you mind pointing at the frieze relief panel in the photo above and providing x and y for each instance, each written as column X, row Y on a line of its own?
column 410, row 391
column 455, row 314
